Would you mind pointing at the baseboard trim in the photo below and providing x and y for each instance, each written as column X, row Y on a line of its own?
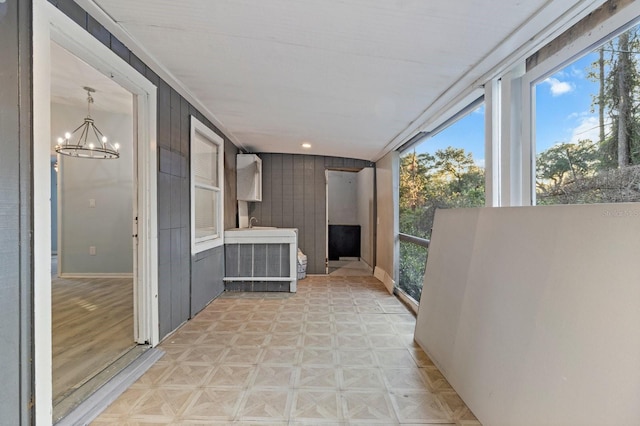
column 91, row 408
column 98, row 275
column 368, row 265
column 385, row 278
column 407, row 300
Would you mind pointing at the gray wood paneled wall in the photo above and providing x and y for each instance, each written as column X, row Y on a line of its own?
column 16, row 245
column 182, row 278
column 294, row 196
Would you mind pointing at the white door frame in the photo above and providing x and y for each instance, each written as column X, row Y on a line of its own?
column 49, row 24
column 326, row 224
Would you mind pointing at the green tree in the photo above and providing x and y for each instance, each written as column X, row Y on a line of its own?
column 449, row 178
column 618, row 77
column 564, row 164
column 604, row 171
column 414, row 176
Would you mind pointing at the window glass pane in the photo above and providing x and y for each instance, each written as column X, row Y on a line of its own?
column 413, row 259
column 205, row 160
column 206, row 223
column 207, row 188
column 588, row 127
column 444, row 171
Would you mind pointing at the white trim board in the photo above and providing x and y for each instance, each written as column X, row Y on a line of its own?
column 382, row 276
column 91, row 408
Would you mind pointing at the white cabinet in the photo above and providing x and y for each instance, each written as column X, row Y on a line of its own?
column 249, row 177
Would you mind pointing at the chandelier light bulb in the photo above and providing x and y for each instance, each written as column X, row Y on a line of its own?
column 67, row 135
column 116, row 146
column 91, row 146
column 104, row 139
column 60, row 140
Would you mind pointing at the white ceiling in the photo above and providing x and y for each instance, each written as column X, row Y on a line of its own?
column 352, row 77
column 68, row 77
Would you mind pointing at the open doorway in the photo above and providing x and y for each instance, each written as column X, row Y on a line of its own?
column 49, row 25
column 350, row 222
column 92, row 282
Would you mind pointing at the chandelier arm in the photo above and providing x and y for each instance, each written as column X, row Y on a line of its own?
column 98, row 134
column 78, row 128
column 82, row 140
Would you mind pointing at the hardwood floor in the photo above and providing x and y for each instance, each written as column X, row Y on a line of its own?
column 92, row 326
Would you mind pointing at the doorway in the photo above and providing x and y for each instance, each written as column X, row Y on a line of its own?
column 350, row 221
column 51, row 25
column 92, row 249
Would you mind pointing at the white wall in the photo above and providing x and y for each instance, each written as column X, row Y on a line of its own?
column 532, row 313
column 387, row 249
column 366, row 218
column 343, row 198
column 108, row 226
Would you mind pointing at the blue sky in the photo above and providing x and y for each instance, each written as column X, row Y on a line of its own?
column 563, row 103
column 467, row 133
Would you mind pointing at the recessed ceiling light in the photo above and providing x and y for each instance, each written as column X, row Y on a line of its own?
column 306, row 145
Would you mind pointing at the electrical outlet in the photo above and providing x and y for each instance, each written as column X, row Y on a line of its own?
column 92, row 250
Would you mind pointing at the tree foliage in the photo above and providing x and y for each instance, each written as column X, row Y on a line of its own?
column 617, row 72
column 587, row 171
column 594, row 171
column 448, row 178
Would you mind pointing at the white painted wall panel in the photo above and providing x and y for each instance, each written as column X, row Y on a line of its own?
column 531, row 313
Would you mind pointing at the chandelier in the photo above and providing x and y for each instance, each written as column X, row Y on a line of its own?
column 90, row 142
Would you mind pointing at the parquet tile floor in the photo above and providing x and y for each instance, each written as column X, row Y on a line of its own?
column 340, row 351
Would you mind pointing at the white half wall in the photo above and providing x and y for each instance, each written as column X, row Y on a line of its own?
column 366, row 209
column 107, row 185
column 532, row 313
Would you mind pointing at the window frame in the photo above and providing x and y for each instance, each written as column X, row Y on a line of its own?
column 612, row 27
column 453, row 117
column 200, row 244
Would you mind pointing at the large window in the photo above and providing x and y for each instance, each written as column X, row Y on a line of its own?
column 207, row 174
column 444, row 171
column 587, row 127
